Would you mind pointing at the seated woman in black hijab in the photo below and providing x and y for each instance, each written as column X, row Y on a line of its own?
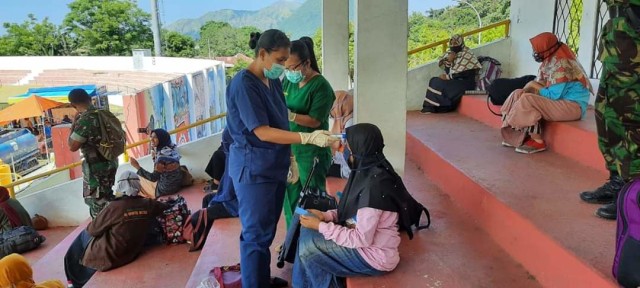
column 361, row 237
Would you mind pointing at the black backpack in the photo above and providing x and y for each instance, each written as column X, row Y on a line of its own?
column 410, row 211
column 500, row 89
column 19, row 240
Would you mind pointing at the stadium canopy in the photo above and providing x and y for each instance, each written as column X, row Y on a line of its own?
column 58, row 94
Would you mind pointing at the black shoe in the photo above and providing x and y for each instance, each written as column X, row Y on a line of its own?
column 277, row 282
column 427, row 109
column 609, row 211
column 606, row 193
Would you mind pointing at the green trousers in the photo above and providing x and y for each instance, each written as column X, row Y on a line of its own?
column 617, row 105
column 98, row 179
column 318, row 180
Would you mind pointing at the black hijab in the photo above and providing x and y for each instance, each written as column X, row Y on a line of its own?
column 372, row 177
column 164, row 139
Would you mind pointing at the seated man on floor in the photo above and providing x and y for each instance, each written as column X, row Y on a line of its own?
column 117, row 235
column 560, row 93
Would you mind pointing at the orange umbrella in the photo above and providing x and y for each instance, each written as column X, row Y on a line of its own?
column 33, row 106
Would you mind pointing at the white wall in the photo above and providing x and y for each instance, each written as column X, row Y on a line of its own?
column 63, row 204
column 119, row 63
column 528, row 19
column 418, row 78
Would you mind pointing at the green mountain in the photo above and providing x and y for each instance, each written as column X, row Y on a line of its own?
column 265, row 18
column 294, row 18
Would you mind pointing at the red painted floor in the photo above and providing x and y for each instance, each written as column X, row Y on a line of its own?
column 161, row 266
column 528, row 203
column 576, row 140
column 54, row 236
column 223, row 248
column 452, row 253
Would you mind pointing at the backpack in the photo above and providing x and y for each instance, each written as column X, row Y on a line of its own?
column 19, row 240
column 173, row 219
column 491, row 70
column 196, row 229
column 626, row 262
column 112, row 140
column 501, row 88
column 410, row 210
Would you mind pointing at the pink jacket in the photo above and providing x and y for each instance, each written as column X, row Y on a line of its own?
column 375, row 236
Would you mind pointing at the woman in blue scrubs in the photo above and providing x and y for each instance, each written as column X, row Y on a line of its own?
column 259, row 158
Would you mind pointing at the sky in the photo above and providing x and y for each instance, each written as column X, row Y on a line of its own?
column 171, row 10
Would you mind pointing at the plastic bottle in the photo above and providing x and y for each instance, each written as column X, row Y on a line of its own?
column 209, row 282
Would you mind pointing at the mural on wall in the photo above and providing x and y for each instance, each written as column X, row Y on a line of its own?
column 158, row 112
column 213, row 100
column 221, row 84
column 199, row 103
column 180, row 101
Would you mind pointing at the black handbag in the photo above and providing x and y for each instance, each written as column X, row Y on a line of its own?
column 309, row 199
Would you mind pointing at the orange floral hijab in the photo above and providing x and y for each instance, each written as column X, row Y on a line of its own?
column 560, row 64
column 16, row 272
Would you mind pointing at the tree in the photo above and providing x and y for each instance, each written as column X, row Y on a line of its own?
column 178, row 45
column 317, row 43
column 33, row 38
column 221, row 39
column 231, row 71
column 108, row 27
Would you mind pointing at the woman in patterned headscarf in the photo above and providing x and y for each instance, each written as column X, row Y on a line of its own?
column 461, row 67
column 560, row 93
column 166, row 177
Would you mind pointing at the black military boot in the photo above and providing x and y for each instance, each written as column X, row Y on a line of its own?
column 606, row 193
column 609, row 211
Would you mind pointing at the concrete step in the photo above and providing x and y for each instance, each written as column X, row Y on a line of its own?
column 222, row 248
column 576, row 140
column 439, row 256
column 51, row 265
column 160, row 266
column 454, row 252
column 54, row 236
column 528, row 204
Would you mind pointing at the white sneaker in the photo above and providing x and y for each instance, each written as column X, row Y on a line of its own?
column 505, row 144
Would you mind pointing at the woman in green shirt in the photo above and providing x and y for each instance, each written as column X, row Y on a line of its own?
column 309, row 97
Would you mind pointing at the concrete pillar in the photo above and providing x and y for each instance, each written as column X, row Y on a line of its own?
column 59, row 136
column 381, row 72
column 335, row 43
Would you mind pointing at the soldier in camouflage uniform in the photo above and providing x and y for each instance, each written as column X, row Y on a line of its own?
column 98, row 173
column 617, row 105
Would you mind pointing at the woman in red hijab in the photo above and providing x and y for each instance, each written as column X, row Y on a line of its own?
column 560, row 93
column 12, row 214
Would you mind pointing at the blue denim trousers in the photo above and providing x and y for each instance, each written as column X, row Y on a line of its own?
column 76, row 273
column 319, row 262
